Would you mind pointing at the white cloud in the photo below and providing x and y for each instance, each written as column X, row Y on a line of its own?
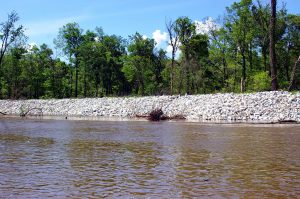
column 169, row 51
column 49, row 26
column 169, row 47
column 144, row 37
column 158, row 36
column 162, row 41
column 97, row 39
column 32, row 45
column 204, row 27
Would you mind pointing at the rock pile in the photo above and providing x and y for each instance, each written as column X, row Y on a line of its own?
column 229, row 107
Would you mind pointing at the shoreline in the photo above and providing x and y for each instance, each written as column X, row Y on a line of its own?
column 135, row 119
column 255, row 108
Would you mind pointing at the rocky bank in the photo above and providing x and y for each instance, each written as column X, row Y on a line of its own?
column 228, row 107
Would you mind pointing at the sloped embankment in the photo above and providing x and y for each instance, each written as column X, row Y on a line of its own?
column 228, row 107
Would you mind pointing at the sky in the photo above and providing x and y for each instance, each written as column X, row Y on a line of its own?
column 43, row 18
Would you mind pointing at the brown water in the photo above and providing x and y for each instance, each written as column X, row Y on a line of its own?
column 134, row 159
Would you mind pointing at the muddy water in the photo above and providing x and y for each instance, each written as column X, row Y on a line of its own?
column 135, row 159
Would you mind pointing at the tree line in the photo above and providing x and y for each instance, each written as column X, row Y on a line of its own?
column 253, row 47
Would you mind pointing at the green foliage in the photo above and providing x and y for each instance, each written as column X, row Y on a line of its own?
column 142, row 67
column 10, row 34
column 129, row 70
column 260, row 82
column 69, row 38
column 185, row 29
column 232, row 57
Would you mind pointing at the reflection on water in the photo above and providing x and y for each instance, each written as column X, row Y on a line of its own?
column 75, row 159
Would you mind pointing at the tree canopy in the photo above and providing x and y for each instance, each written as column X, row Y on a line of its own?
column 254, row 47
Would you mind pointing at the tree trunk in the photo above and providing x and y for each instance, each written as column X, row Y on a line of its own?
column 273, row 67
column 70, row 82
column 187, row 73
column 85, row 83
column 250, row 56
column 142, row 87
column 293, row 76
column 188, row 79
column 1, row 95
column 287, row 68
column 225, row 72
column 172, row 71
column 53, row 80
column 225, row 83
column 243, row 80
column 76, row 77
column 97, row 88
column 264, row 56
column 287, row 64
column 181, row 76
column 173, row 39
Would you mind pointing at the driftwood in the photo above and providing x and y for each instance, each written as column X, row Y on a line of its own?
column 293, row 75
column 23, row 113
column 157, row 115
column 287, row 122
column 2, row 113
column 141, row 116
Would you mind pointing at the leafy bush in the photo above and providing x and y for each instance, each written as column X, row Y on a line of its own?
column 261, row 82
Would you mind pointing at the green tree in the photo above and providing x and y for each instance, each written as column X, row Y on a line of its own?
column 172, row 28
column 261, row 15
column 160, row 59
column 185, row 29
column 198, row 48
column 138, row 65
column 101, row 60
column 273, row 66
column 9, row 34
column 12, row 70
column 47, row 73
column 239, row 22
column 114, row 80
column 292, row 41
column 61, row 84
column 95, row 58
column 69, row 40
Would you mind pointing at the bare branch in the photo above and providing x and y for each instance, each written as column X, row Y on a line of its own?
column 9, row 33
column 293, row 76
column 174, row 43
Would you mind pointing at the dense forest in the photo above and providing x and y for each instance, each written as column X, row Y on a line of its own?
column 253, row 47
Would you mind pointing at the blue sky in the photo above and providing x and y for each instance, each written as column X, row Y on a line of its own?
column 42, row 19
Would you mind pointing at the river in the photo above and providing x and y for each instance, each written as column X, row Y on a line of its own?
column 141, row 159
